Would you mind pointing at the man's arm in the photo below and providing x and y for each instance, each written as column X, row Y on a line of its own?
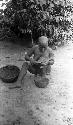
column 51, row 57
column 48, row 59
column 29, row 54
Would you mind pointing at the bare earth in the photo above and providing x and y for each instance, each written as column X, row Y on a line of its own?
column 35, row 106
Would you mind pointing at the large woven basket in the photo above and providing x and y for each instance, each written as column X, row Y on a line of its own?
column 9, row 73
column 41, row 82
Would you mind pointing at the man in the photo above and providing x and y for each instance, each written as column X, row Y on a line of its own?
column 33, row 59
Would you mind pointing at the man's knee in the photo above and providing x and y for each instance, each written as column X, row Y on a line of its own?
column 48, row 69
column 52, row 62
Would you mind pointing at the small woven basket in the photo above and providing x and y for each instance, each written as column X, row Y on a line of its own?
column 9, row 73
column 41, row 82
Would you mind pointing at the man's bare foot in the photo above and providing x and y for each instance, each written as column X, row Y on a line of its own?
column 13, row 87
column 16, row 85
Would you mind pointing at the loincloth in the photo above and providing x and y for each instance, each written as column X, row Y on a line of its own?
column 37, row 69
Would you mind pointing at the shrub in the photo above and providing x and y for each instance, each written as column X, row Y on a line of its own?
column 35, row 18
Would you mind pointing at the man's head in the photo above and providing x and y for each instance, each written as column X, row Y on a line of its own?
column 43, row 41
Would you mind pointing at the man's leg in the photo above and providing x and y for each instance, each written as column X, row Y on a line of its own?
column 48, row 69
column 22, row 74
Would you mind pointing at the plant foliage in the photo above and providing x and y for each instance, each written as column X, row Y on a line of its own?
column 37, row 19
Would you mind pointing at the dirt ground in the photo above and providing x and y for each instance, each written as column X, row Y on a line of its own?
column 38, row 106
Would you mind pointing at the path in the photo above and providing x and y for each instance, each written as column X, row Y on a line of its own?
column 34, row 106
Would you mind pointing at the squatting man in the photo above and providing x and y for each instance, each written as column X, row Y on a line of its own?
column 36, row 59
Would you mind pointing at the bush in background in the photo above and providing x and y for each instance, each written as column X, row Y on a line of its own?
column 31, row 19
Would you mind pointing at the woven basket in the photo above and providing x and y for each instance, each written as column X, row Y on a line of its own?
column 9, row 73
column 41, row 82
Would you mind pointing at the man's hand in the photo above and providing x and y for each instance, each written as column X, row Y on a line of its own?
column 51, row 62
column 47, row 62
column 32, row 61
